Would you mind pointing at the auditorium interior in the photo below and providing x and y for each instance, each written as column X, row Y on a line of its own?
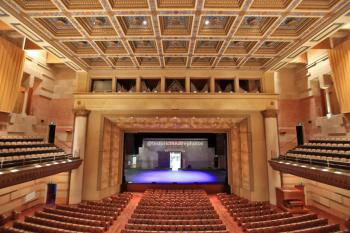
column 200, row 116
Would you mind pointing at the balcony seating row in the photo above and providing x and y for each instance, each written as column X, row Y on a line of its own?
column 27, row 150
column 318, row 157
column 69, row 219
column 327, row 152
column 328, row 139
column 14, row 144
column 271, row 220
column 14, row 161
column 12, row 138
column 18, row 151
column 326, row 145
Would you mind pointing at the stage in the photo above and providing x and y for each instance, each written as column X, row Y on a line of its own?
column 138, row 180
column 167, row 176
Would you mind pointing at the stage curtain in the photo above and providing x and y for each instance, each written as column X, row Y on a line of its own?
column 339, row 58
column 11, row 70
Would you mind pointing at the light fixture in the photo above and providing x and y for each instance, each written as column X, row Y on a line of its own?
column 325, row 170
column 55, row 163
column 313, row 168
column 14, row 170
column 144, row 22
column 206, row 22
column 1, row 173
column 37, row 166
column 338, row 172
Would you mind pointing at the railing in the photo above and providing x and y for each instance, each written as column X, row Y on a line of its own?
column 39, row 161
column 318, row 162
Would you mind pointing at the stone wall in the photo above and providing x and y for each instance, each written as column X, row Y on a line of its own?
column 52, row 100
column 32, row 193
column 304, row 104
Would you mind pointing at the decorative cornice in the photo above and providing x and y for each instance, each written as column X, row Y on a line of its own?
column 270, row 113
column 32, row 173
column 183, row 123
column 81, row 112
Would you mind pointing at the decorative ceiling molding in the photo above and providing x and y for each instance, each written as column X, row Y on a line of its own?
column 176, row 123
column 111, row 34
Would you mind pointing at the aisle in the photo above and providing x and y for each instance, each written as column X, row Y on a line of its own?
column 126, row 214
column 224, row 215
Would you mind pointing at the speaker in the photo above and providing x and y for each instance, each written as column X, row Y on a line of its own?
column 52, row 130
column 51, row 193
column 300, row 134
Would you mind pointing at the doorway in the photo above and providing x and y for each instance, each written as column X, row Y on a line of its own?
column 175, row 160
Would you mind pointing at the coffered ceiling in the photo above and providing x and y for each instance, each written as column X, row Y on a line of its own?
column 132, row 34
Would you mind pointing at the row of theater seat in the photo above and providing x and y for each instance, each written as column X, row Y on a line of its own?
column 10, row 144
column 15, row 161
column 20, row 138
column 328, row 139
column 326, row 145
column 27, row 151
column 339, row 163
column 31, row 156
column 260, row 217
column 174, row 211
column 20, row 151
column 328, row 152
column 92, row 217
column 318, row 157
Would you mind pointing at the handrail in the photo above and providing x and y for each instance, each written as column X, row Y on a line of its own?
column 40, row 160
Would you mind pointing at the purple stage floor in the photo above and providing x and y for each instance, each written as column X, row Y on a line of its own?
column 169, row 176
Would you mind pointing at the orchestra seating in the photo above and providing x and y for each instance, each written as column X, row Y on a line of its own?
column 174, row 211
column 330, row 152
column 261, row 217
column 20, row 151
column 91, row 216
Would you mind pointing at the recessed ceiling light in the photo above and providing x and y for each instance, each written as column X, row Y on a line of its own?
column 144, row 22
column 206, row 22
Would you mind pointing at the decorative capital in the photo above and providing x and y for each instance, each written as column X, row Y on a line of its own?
column 81, row 112
column 270, row 113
